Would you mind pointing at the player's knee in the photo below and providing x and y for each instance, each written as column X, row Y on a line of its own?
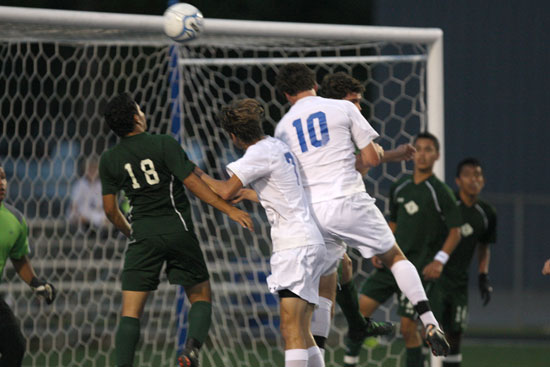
column 410, row 333
column 367, row 305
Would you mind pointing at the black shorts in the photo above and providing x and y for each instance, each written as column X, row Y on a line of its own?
column 145, row 257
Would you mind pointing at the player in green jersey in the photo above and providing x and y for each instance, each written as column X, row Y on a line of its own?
column 343, row 86
column 152, row 170
column 426, row 222
column 14, row 245
column 450, row 296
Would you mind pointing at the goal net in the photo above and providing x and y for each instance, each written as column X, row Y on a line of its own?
column 57, row 71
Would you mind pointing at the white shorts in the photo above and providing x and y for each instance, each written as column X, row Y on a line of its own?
column 298, row 270
column 355, row 221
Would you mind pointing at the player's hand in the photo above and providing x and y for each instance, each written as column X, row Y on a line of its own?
column 406, row 152
column 485, row 288
column 377, row 262
column 433, row 270
column 43, row 289
column 241, row 217
column 244, row 194
column 546, row 268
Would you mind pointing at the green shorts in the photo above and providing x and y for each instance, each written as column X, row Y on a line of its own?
column 450, row 307
column 381, row 285
column 145, row 257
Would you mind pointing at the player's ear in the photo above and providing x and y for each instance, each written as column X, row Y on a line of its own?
column 316, row 87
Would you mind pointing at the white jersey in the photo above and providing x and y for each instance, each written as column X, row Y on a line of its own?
column 321, row 132
column 270, row 169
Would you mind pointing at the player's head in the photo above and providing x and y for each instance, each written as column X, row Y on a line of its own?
column 295, row 78
column 242, row 119
column 427, row 152
column 3, row 184
column 342, row 86
column 123, row 115
column 469, row 176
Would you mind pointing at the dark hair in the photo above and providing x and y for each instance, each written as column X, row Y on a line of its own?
column 243, row 118
column 470, row 161
column 339, row 85
column 295, row 78
column 119, row 114
column 430, row 136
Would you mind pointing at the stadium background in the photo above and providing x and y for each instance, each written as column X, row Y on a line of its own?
column 496, row 108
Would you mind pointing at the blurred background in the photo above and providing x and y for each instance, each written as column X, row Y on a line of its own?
column 497, row 105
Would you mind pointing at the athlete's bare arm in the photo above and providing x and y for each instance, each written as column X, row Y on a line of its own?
column 115, row 216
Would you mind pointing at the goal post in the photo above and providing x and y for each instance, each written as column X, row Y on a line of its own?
column 58, row 69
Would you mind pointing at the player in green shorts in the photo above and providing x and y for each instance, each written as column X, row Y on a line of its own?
column 152, row 170
column 450, row 296
column 426, row 222
column 14, row 245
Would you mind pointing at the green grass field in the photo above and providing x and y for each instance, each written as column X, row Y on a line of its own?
column 474, row 355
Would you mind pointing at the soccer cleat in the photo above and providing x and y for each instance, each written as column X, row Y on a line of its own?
column 436, row 340
column 355, row 338
column 189, row 358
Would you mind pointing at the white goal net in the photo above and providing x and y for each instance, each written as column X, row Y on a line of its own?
column 57, row 71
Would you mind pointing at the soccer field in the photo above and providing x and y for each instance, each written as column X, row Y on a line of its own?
column 508, row 354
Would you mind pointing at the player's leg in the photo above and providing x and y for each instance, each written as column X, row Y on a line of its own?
column 322, row 315
column 128, row 332
column 142, row 264
column 185, row 266
column 315, row 357
column 12, row 343
column 378, row 287
column 293, row 316
column 409, row 283
column 347, row 298
column 413, row 343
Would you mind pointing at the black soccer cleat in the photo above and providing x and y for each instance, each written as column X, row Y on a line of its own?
column 189, row 358
column 355, row 338
column 436, row 340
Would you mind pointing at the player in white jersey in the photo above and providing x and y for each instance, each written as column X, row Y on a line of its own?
column 323, row 134
column 299, row 252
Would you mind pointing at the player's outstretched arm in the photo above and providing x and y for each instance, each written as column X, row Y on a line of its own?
column 115, row 216
column 41, row 288
column 404, row 152
column 433, row 270
column 227, row 189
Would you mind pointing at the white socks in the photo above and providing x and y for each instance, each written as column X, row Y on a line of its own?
column 315, row 357
column 296, row 358
column 320, row 324
column 409, row 283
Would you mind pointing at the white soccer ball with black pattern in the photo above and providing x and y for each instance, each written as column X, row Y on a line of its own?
column 183, row 22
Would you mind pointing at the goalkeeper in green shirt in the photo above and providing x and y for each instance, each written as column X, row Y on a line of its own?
column 450, row 294
column 14, row 245
column 152, row 170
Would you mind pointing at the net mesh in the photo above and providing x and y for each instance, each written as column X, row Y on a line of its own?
column 51, row 124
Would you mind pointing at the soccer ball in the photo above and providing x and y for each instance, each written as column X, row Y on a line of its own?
column 183, row 22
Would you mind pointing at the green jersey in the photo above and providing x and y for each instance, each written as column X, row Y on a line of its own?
column 424, row 213
column 150, row 169
column 480, row 222
column 13, row 236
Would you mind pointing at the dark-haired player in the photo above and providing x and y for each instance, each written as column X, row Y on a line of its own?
column 450, row 295
column 152, row 170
